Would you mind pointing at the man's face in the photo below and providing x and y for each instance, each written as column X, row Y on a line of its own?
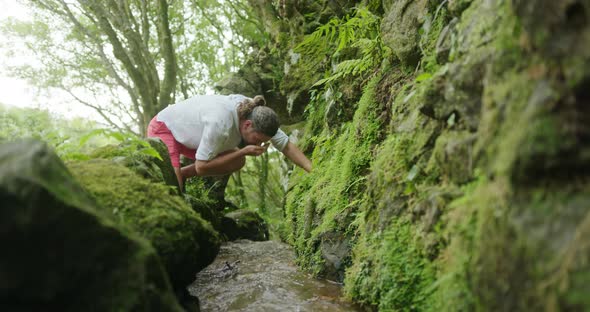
column 252, row 136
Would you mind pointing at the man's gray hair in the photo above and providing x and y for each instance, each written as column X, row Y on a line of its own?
column 264, row 120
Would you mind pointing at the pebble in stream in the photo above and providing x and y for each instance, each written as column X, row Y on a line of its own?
column 262, row 276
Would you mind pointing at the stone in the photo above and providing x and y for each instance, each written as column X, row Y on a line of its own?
column 164, row 165
column 238, row 84
column 335, row 250
column 258, row 77
column 400, row 29
column 147, row 166
column 244, row 224
column 457, row 90
column 185, row 242
column 61, row 252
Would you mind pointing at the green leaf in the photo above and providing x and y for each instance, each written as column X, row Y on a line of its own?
column 151, row 152
column 410, row 188
column 423, row 76
column 84, row 139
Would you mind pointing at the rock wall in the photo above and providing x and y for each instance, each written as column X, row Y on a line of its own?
column 453, row 172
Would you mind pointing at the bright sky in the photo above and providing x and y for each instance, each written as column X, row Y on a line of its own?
column 17, row 92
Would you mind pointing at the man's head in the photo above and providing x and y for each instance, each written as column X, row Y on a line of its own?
column 258, row 123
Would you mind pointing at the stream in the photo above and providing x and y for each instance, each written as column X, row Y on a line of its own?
column 262, row 276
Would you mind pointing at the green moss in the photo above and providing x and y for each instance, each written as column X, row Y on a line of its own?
column 64, row 252
column 185, row 242
column 453, row 156
column 146, row 165
column 552, row 224
column 431, row 31
column 452, row 290
column 389, row 267
column 341, row 159
column 388, row 271
column 496, row 123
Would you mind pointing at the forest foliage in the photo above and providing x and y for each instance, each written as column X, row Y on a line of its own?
column 128, row 60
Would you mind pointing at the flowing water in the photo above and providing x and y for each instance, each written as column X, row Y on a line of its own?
column 262, row 276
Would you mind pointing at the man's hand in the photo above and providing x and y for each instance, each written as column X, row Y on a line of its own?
column 254, row 150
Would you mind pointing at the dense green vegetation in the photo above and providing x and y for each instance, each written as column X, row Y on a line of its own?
column 449, row 141
column 440, row 169
column 128, row 60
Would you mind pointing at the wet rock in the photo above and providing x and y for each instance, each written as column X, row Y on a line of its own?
column 244, row 224
column 62, row 253
column 185, row 242
column 295, row 85
column 335, row 250
column 400, row 29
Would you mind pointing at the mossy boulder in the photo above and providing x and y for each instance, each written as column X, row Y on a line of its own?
column 61, row 251
column 185, row 242
column 245, row 224
column 261, row 75
column 206, row 208
column 400, row 29
column 146, row 165
column 454, row 94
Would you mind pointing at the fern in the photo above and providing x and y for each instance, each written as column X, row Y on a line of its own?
column 361, row 31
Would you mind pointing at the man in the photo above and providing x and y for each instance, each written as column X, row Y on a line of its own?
column 211, row 129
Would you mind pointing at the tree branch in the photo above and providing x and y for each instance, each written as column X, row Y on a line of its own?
column 98, row 109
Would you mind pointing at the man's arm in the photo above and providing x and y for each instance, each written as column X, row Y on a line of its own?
column 296, row 156
column 227, row 162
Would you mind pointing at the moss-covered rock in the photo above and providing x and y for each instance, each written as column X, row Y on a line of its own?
column 61, row 251
column 453, row 156
column 321, row 205
column 185, row 241
column 458, row 183
column 146, row 165
column 400, row 29
column 245, row 224
column 206, row 208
